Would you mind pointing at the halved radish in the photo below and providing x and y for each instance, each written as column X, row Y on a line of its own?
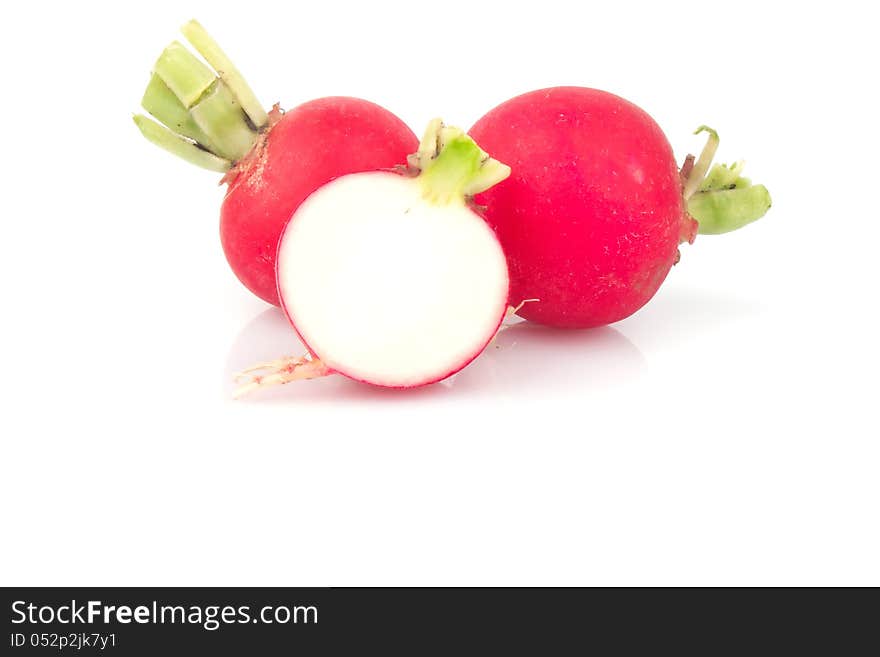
column 392, row 277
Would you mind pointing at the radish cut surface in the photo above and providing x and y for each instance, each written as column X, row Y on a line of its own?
column 387, row 286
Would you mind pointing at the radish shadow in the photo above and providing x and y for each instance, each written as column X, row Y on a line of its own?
column 679, row 313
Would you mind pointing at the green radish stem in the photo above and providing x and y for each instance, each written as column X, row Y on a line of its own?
column 720, row 199
column 451, row 165
column 724, row 210
column 210, row 118
column 219, row 115
column 183, row 73
column 164, row 106
column 210, row 50
column 177, row 145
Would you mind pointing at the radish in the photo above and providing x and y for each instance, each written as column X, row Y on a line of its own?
column 272, row 160
column 593, row 215
column 392, row 277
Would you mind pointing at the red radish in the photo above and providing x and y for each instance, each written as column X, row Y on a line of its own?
column 273, row 160
column 593, row 214
column 391, row 277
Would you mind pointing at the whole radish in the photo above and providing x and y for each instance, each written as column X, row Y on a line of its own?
column 392, row 277
column 595, row 210
column 272, row 160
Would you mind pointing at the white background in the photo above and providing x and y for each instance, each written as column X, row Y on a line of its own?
column 725, row 434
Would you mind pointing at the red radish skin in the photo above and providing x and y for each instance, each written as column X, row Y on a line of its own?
column 592, row 215
column 308, row 147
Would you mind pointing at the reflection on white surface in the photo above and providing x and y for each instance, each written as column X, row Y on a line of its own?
column 680, row 313
column 530, row 357
column 266, row 336
column 524, row 358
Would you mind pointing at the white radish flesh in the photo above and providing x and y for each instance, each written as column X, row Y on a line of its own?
column 387, row 287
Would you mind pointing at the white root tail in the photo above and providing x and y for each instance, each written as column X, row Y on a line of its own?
column 511, row 310
column 278, row 372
